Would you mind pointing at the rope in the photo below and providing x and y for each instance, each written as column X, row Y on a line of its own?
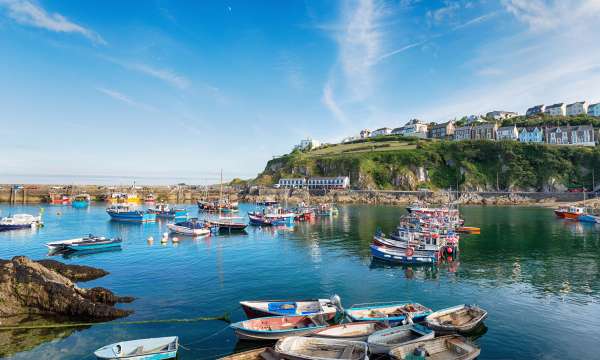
column 224, row 317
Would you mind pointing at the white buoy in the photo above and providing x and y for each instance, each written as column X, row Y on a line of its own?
column 150, row 239
column 164, row 240
column 175, row 240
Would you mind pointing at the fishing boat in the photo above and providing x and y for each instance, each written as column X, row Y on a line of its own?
column 150, row 199
column 264, row 353
column 142, row 349
column 461, row 318
column 191, row 227
column 271, row 216
column 163, row 211
column 267, row 202
column 124, row 198
column 381, row 342
column 469, row 230
column 314, row 348
column 63, row 244
column 125, row 212
column 404, row 256
column 20, row 221
column 357, row 331
column 59, row 199
column 450, row 347
column 569, row 212
column 326, row 210
column 262, row 308
column 277, row 327
column 218, row 206
column 81, row 201
column 394, row 312
column 94, row 244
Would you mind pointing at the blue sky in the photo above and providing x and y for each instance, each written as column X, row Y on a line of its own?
column 143, row 89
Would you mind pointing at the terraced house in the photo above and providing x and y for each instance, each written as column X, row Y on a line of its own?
column 463, row 133
column 577, row 108
column 559, row 109
column 485, row 131
column 442, row 131
column 594, row 109
column 507, row 133
column 532, row 135
column 571, row 135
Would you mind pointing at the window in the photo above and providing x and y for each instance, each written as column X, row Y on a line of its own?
column 574, row 137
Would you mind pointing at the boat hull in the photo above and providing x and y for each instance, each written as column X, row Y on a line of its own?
column 74, row 247
column 188, row 231
column 383, row 341
column 252, row 310
column 450, row 328
column 276, row 327
column 358, row 313
column 401, row 257
column 16, row 227
column 80, row 204
column 133, row 216
column 589, row 219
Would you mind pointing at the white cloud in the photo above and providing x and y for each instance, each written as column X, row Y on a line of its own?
column 27, row 13
column 165, row 75
column 331, row 104
column 124, row 99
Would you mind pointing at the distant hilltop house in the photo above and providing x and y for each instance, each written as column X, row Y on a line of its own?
column 337, row 182
column 594, row 109
column 556, row 109
column 485, row 131
column 350, row 139
column 381, row 132
column 507, row 133
column 501, row 115
column 442, row 131
column 577, row 108
column 571, row 135
column 531, row 135
column 308, row 144
column 535, row 110
column 365, row 133
column 474, row 118
column 414, row 127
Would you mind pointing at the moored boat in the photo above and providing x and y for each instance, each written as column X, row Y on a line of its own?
column 124, row 198
column 59, row 199
column 192, row 227
column 381, row 342
column 264, row 353
column 20, row 221
column 164, row 211
column 469, row 230
column 63, row 244
column 228, row 224
column 125, row 212
column 462, row 318
column 261, row 308
column 451, row 347
column 355, row 331
column 88, row 244
column 570, row 212
column 314, row 348
column 394, row 312
column 404, row 256
column 277, row 327
column 589, row 218
column 142, row 349
column 81, row 201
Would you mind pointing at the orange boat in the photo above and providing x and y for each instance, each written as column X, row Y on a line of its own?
column 571, row 212
column 469, row 230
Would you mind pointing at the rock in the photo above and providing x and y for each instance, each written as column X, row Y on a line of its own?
column 29, row 287
column 74, row 272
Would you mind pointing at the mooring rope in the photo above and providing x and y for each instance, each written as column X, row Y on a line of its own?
column 224, row 317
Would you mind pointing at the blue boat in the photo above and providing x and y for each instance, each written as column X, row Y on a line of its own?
column 589, row 218
column 393, row 312
column 165, row 212
column 124, row 212
column 143, row 349
column 81, row 201
column 404, row 256
column 88, row 244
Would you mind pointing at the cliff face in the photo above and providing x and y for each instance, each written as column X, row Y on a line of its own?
column 472, row 165
column 29, row 287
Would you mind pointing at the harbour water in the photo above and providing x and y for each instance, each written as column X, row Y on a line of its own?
column 538, row 277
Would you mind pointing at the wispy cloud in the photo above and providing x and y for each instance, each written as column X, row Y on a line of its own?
column 476, row 20
column 124, row 99
column 329, row 102
column 292, row 71
column 27, row 13
column 166, row 75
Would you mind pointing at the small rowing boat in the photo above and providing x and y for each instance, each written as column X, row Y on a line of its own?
column 64, row 244
column 469, row 230
column 381, row 342
column 142, row 349
column 191, row 227
column 395, row 312
column 461, row 318
column 277, row 327
column 452, row 347
column 264, row 353
column 261, row 308
column 164, row 211
column 404, row 256
column 589, row 218
column 87, row 244
column 313, row 348
column 358, row 331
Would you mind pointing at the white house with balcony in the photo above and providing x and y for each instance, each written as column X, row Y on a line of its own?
column 293, row 183
column 365, row 133
column 559, row 109
column 381, row 132
column 577, row 108
column 507, row 133
column 414, row 127
column 338, row 182
column 582, row 135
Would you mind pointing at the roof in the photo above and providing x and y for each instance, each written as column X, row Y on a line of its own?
column 507, row 127
column 328, row 178
column 292, row 179
column 383, row 128
column 530, row 128
column 577, row 103
column 441, row 125
column 594, row 104
column 536, row 107
column 555, row 106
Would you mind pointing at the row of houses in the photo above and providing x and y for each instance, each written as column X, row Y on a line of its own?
column 338, row 182
column 582, row 135
column 576, row 108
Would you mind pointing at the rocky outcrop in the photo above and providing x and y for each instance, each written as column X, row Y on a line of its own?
column 48, row 288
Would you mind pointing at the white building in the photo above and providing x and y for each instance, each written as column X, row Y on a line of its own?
column 594, row 109
column 349, row 139
column 381, row 132
column 501, row 115
column 577, row 108
column 414, row 127
column 308, row 144
column 507, row 133
column 474, row 118
column 556, row 109
column 294, row 183
column 338, row 182
column 365, row 133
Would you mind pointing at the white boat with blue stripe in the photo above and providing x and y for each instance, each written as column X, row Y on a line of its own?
column 125, row 212
column 143, row 349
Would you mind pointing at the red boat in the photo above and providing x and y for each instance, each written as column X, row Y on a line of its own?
column 571, row 212
column 57, row 199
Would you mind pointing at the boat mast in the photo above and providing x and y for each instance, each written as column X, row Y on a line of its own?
column 220, row 194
